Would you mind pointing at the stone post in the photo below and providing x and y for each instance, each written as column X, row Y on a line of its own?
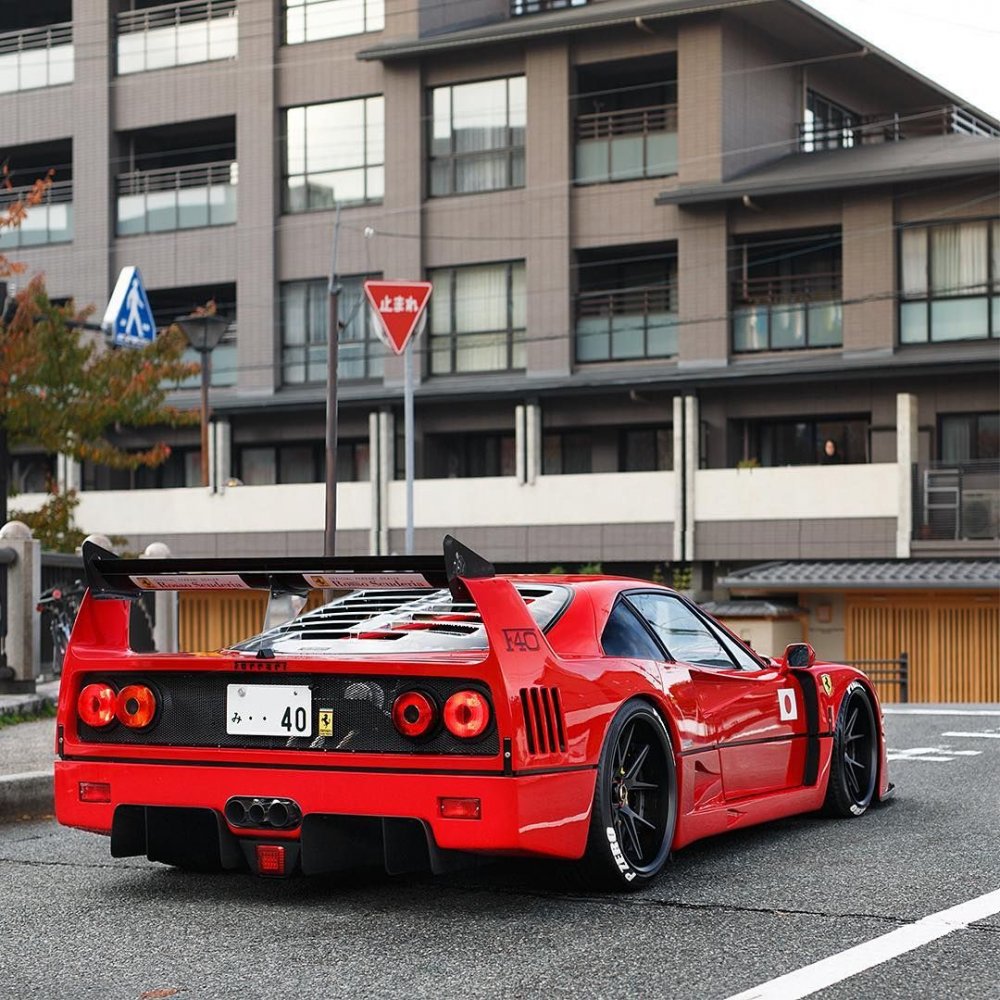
column 24, row 588
column 165, row 628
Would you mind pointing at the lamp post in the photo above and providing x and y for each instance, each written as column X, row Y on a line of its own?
column 203, row 332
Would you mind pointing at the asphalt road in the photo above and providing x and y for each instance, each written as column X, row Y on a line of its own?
column 728, row 915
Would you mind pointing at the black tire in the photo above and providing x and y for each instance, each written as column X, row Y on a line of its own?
column 635, row 803
column 854, row 763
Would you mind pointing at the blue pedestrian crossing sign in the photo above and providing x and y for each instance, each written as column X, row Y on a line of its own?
column 129, row 318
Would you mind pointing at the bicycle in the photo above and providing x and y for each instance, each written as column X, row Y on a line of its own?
column 60, row 604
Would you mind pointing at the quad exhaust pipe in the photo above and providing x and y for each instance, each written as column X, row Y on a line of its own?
column 249, row 812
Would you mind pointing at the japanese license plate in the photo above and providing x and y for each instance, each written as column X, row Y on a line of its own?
column 268, row 710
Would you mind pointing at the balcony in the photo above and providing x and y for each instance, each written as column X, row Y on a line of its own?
column 36, row 57
column 783, row 313
column 171, row 198
column 519, row 7
column 957, row 501
column 180, row 34
column 864, row 130
column 51, row 221
column 626, row 144
column 626, row 323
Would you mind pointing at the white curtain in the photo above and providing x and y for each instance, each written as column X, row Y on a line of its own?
column 959, row 259
column 914, row 263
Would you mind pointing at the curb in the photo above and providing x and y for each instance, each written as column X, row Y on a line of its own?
column 32, row 704
column 26, row 794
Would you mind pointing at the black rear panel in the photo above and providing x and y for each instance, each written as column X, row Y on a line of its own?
column 192, row 713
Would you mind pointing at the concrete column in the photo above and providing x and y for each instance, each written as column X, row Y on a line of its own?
column 24, row 587
column 68, row 473
column 869, row 269
column 520, row 444
column 679, row 477
column 907, row 437
column 532, row 442
column 374, row 481
column 220, row 451
column 165, row 629
column 386, row 468
column 703, row 288
column 692, row 429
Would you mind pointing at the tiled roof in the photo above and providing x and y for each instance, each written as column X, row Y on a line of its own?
column 857, row 574
column 751, row 609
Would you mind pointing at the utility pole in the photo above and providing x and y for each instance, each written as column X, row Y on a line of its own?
column 332, row 358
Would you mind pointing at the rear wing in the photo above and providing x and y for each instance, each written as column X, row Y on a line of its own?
column 112, row 578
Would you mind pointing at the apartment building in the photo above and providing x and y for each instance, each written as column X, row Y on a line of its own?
column 715, row 283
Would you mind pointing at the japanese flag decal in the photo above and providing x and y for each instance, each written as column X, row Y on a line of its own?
column 788, row 708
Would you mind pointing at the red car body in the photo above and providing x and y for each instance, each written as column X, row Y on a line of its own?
column 747, row 744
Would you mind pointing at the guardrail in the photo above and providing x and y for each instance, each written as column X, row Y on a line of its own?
column 176, row 178
column 36, row 57
column 888, row 672
column 173, row 14
column 860, row 130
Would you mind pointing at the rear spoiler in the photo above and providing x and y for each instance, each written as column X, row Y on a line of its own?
column 110, row 577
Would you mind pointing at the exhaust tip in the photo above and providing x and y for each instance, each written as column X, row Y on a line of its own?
column 277, row 814
column 236, row 812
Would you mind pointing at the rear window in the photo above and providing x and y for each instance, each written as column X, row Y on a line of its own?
column 395, row 622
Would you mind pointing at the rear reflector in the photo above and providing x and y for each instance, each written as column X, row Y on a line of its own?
column 270, row 859
column 460, row 808
column 95, row 791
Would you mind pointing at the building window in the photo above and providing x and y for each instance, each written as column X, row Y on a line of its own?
column 646, row 449
column 477, row 318
column 35, row 56
column 626, row 304
column 969, row 437
column 827, row 125
column 786, row 293
column 477, row 136
column 567, row 453
column 465, row 456
column 836, row 441
column 181, row 468
column 950, row 282
column 309, row 20
column 300, row 462
column 33, row 473
column 304, row 306
column 519, row 7
column 334, row 154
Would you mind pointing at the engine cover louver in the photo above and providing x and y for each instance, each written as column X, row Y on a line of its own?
column 543, row 720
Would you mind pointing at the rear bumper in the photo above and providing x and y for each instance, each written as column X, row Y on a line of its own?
column 543, row 814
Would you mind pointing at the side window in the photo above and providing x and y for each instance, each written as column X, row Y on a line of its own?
column 743, row 658
column 625, row 635
column 685, row 635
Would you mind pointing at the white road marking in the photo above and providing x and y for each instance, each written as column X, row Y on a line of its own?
column 890, row 710
column 978, row 736
column 835, row 969
column 939, row 755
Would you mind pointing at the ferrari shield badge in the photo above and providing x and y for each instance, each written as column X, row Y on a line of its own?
column 824, row 679
column 325, row 722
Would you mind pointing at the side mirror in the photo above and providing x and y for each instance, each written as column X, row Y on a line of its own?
column 798, row 654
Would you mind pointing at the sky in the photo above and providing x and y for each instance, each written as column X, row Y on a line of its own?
column 954, row 42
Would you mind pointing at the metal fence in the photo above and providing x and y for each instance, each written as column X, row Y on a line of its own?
column 891, row 677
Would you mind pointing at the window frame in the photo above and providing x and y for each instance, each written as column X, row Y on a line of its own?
column 288, row 5
column 990, row 292
column 365, row 166
column 453, row 157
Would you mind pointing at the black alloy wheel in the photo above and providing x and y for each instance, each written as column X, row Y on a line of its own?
column 854, row 764
column 634, row 811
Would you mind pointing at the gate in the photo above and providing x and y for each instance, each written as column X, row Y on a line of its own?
column 953, row 641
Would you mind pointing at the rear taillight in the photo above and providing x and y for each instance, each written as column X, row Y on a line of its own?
column 466, row 714
column 96, row 705
column 413, row 714
column 135, row 706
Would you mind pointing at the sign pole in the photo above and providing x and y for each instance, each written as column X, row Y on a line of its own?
column 408, row 432
column 332, row 357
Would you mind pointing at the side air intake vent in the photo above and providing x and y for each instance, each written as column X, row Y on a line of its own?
column 543, row 720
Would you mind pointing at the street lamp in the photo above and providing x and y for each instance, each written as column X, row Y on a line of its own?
column 203, row 332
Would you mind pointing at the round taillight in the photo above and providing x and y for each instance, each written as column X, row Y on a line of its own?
column 413, row 714
column 466, row 714
column 135, row 706
column 96, row 705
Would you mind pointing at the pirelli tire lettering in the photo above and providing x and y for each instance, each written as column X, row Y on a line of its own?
column 616, row 853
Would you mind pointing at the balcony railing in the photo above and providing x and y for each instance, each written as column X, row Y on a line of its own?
column 36, row 57
column 627, row 323
column 626, row 144
column 50, row 221
column 519, row 7
column 787, row 313
column 865, row 130
column 957, row 501
column 178, row 34
column 157, row 201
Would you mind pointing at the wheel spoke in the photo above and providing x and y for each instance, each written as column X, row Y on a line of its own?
column 854, row 763
column 634, row 816
column 637, row 763
column 850, row 722
column 852, row 781
column 640, row 786
column 633, row 834
column 624, row 750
